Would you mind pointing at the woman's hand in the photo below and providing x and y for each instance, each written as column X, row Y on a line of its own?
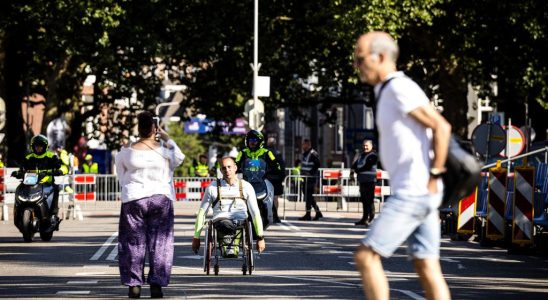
column 163, row 135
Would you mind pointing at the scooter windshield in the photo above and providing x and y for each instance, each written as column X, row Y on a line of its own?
column 30, row 179
column 254, row 170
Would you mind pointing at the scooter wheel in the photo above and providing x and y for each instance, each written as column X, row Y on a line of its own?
column 46, row 236
column 27, row 229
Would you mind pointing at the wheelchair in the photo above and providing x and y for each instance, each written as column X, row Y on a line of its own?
column 213, row 250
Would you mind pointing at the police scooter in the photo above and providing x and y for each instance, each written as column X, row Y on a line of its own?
column 32, row 202
column 254, row 170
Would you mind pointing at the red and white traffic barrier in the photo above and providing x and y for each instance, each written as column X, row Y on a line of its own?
column 496, row 203
column 84, row 186
column 522, row 221
column 466, row 214
column 191, row 188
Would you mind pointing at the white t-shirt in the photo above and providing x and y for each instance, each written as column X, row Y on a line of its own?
column 404, row 144
column 143, row 173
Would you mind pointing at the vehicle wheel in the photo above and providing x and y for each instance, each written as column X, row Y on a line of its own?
column 208, row 249
column 46, row 236
column 249, row 250
column 27, row 225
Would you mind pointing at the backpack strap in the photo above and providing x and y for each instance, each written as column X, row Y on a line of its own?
column 242, row 191
column 218, row 193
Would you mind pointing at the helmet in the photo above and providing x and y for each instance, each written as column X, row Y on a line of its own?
column 39, row 140
column 88, row 157
column 257, row 135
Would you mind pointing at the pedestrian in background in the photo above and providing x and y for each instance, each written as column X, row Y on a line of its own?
column 365, row 168
column 310, row 164
column 413, row 143
column 89, row 166
column 145, row 170
column 200, row 167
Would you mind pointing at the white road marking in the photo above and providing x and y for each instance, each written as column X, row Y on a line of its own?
column 96, row 266
column 406, row 292
column 90, row 273
column 73, row 292
column 195, row 256
column 285, row 223
column 82, row 282
column 103, row 248
column 410, row 294
column 113, row 254
column 449, row 260
column 315, row 239
column 340, row 252
column 324, row 243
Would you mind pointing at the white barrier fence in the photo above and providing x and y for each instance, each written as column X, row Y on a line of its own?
column 334, row 185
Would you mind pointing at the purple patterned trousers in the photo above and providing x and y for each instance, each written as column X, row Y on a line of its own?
column 146, row 225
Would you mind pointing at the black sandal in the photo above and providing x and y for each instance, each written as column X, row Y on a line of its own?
column 156, row 291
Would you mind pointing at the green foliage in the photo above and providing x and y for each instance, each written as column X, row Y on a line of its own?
column 445, row 44
column 191, row 145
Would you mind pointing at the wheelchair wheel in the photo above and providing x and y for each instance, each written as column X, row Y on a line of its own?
column 208, row 248
column 248, row 240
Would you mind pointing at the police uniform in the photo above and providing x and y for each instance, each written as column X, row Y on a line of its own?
column 365, row 167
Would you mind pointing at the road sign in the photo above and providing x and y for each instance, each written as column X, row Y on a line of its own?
column 517, row 142
column 254, row 111
column 488, row 137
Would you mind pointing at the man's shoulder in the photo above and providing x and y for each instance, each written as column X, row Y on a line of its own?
column 246, row 184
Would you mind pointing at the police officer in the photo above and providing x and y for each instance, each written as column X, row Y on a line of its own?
column 310, row 164
column 89, row 166
column 365, row 166
column 42, row 160
column 255, row 150
column 199, row 167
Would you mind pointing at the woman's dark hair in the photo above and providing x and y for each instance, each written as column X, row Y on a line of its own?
column 145, row 122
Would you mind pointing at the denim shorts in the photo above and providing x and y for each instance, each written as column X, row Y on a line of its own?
column 411, row 218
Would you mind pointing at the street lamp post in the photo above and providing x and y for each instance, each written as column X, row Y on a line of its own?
column 256, row 65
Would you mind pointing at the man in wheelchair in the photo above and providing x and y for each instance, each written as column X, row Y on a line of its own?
column 231, row 199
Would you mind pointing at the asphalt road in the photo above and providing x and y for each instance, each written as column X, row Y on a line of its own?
column 303, row 260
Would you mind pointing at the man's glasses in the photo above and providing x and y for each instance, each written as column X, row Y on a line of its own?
column 358, row 60
column 252, row 140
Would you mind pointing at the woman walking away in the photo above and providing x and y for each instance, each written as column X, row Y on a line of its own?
column 145, row 171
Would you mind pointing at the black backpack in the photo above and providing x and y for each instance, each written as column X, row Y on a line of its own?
column 462, row 175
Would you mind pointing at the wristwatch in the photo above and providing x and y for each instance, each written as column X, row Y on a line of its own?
column 260, row 237
column 436, row 173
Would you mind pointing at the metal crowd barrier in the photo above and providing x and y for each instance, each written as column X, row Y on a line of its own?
column 333, row 186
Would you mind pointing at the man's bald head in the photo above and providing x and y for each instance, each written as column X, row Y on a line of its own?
column 375, row 56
